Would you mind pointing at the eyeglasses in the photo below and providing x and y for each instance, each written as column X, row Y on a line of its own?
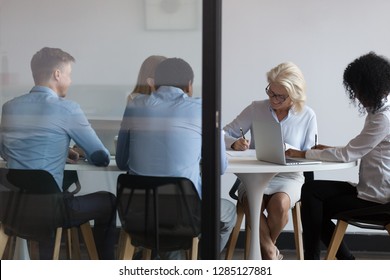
column 279, row 97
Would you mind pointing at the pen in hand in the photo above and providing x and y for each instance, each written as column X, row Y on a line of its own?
column 315, row 141
column 242, row 134
column 240, row 145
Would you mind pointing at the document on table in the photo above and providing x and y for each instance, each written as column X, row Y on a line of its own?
column 246, row 153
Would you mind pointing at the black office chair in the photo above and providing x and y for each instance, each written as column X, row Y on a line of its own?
column 296, row 217
column 32, row 208
column 158, row 213
column 375, row 217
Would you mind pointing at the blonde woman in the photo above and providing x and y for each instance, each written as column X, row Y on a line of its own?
column 286, row 92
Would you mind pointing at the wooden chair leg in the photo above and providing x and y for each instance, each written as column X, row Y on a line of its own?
column 9, row 249
column 57, row 244
column 146, row 254
column 69, row 244
column 231, row 245
column 194, row 249
column 296, row 217
column 337, row 237
column 388, row 228
column 3, row 241
column 89, row 241
column 73, row 244
column 126, row 252
column 245, row 209
column 247, row 239
column 121, row 240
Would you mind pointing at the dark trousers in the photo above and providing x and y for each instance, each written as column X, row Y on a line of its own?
column 321, row 200
column 99, row 207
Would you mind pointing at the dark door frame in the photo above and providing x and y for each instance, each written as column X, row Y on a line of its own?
column 211, row 131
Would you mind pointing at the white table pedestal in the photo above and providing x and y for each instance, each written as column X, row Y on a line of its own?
column 21, row 249
column 255, row 184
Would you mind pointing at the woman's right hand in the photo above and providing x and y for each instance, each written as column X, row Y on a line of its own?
column 241, row 144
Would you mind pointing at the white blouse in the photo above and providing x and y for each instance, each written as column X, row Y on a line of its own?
column 299, row 129
column 372, row 146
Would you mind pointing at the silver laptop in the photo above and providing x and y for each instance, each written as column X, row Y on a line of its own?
column 106, row 130
column 270, row 145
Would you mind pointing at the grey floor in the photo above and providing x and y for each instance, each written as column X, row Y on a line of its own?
column 291, row 255
column 287, row 254
column 239, row 254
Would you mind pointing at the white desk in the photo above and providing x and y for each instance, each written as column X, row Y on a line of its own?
column 85, row 166
column 81, row 166
column 256, row 175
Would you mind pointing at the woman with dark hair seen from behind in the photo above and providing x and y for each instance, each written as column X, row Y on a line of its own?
column 145, row 78
column 367, row 83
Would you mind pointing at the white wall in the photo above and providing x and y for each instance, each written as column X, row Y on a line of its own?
column 321, row 37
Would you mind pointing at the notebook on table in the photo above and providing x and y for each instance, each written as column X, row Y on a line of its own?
column 270, row 145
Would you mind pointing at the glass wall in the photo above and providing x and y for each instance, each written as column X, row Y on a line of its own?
column 109, row 40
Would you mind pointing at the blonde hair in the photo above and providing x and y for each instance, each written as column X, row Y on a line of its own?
column 289, row 76
column 146, row 71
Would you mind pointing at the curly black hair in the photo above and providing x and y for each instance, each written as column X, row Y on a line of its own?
column 367, row 82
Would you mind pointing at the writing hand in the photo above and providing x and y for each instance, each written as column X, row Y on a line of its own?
column 241, row 144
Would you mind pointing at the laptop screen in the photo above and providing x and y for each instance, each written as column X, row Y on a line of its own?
column 270, row 145
column 269, row 142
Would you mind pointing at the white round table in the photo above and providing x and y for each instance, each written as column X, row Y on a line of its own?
column 256, row 175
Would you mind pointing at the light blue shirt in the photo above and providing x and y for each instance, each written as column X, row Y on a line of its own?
column 36, row 129
column 161, row 135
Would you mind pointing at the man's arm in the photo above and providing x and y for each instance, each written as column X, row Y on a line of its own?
column 85, row 138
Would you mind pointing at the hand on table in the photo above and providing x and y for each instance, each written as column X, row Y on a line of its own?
column 74, row 154
column 295, row 153
column 302, row 154
column 320, row 147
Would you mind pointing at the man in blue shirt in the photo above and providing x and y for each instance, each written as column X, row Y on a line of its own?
column 35, row 133
column 161, row 134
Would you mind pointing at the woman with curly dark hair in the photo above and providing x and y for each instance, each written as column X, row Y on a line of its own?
column 367, row 82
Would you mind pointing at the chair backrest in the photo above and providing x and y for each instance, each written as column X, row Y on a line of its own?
column 375, row 217
column 161, row 213
column 31, row 203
